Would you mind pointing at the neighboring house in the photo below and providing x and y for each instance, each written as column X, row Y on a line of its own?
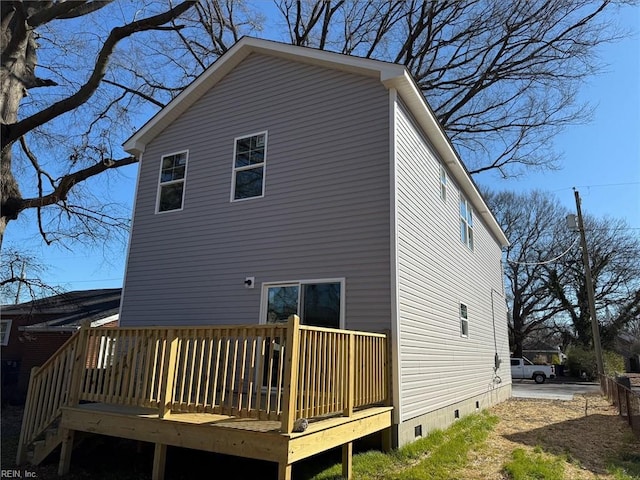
column 33, row 331
column 292, row 180
column 541, row 352
column 628, row 346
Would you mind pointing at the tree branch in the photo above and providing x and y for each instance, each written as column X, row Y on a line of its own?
column 12, row 132
column 138, row 93
column 13, row 206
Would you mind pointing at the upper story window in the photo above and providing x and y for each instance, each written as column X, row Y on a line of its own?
column 173, row 170
column 464, row 321
column 443, row 183
column 466, row 222
column 249, row 157
column 5, row 331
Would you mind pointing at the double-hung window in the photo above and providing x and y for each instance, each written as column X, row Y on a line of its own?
column 173, row 170
column 5, row 331
column 466, row 222
column 464, row 321
column 443, row 183
column 249, row 157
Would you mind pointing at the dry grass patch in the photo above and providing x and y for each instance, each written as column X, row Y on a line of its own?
column 587, row 431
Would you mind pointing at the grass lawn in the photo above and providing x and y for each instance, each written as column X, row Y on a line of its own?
column 516, row 440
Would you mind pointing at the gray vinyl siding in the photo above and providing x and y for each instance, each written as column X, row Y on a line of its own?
column 325, row 213
column 436, row 272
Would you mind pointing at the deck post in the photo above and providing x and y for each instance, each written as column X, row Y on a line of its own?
column 169, row 369
column 79, row 365
column 284, row 471
column 159, row 461
column 65, row 452
column 292, row 355
column 350, row 393
column 389, row 368
column 347, row 460
column 387, row 439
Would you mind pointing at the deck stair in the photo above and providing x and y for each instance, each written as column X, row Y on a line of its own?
column 41, row 449
column 49, row 391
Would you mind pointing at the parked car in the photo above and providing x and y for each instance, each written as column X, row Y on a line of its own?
column 523, row 368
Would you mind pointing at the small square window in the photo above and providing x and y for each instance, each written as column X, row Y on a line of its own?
column 249, row 166
column 5, row 332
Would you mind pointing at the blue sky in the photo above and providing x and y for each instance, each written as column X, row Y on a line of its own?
column 601, row 159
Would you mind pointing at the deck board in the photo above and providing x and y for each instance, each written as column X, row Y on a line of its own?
column 250, row 438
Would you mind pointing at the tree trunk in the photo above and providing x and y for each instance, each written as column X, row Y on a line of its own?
column 16, row 76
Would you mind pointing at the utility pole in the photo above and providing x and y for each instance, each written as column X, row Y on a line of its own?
column 20, row 283
column 589, row 284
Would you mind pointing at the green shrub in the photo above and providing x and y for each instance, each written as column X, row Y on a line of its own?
column 613, row 363
column 581, row 360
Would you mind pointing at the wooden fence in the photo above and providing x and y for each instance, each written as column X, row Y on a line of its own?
column 626, row 401
column 269, row 372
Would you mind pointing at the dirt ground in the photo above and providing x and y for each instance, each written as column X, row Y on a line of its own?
column 587, row 430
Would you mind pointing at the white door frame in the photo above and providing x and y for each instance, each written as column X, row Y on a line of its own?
column 291, row 283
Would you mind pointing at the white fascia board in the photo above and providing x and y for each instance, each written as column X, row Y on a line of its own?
column 105, row 320
column 137, row 142
column 242, row 49
column 423, row 114
column 337, row 61
column 47, row 327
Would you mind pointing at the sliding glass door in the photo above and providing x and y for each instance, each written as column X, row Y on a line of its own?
column 318, row 303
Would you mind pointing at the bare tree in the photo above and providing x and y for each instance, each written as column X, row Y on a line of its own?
column 52, row 179
column 545, row 278
column 502, row 77
column 532, row 222
column 21, row 277
column 614, row 254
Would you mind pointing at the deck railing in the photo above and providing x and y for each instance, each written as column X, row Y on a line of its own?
column 223, row 370
column 281, row 371
column 339, row 370
column 49, row 390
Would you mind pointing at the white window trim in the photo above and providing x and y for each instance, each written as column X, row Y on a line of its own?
column 291, row 283
column 249, row 167
column 4, row 341
column 183, row 180
column 463, row 320
column 469, row 227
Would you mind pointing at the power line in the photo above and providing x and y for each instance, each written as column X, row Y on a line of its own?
column 598, row 185
column 607, row 185
column 547, row 261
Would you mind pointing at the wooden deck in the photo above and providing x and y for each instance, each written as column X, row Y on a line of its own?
column 235, row 390
column 251, row 438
